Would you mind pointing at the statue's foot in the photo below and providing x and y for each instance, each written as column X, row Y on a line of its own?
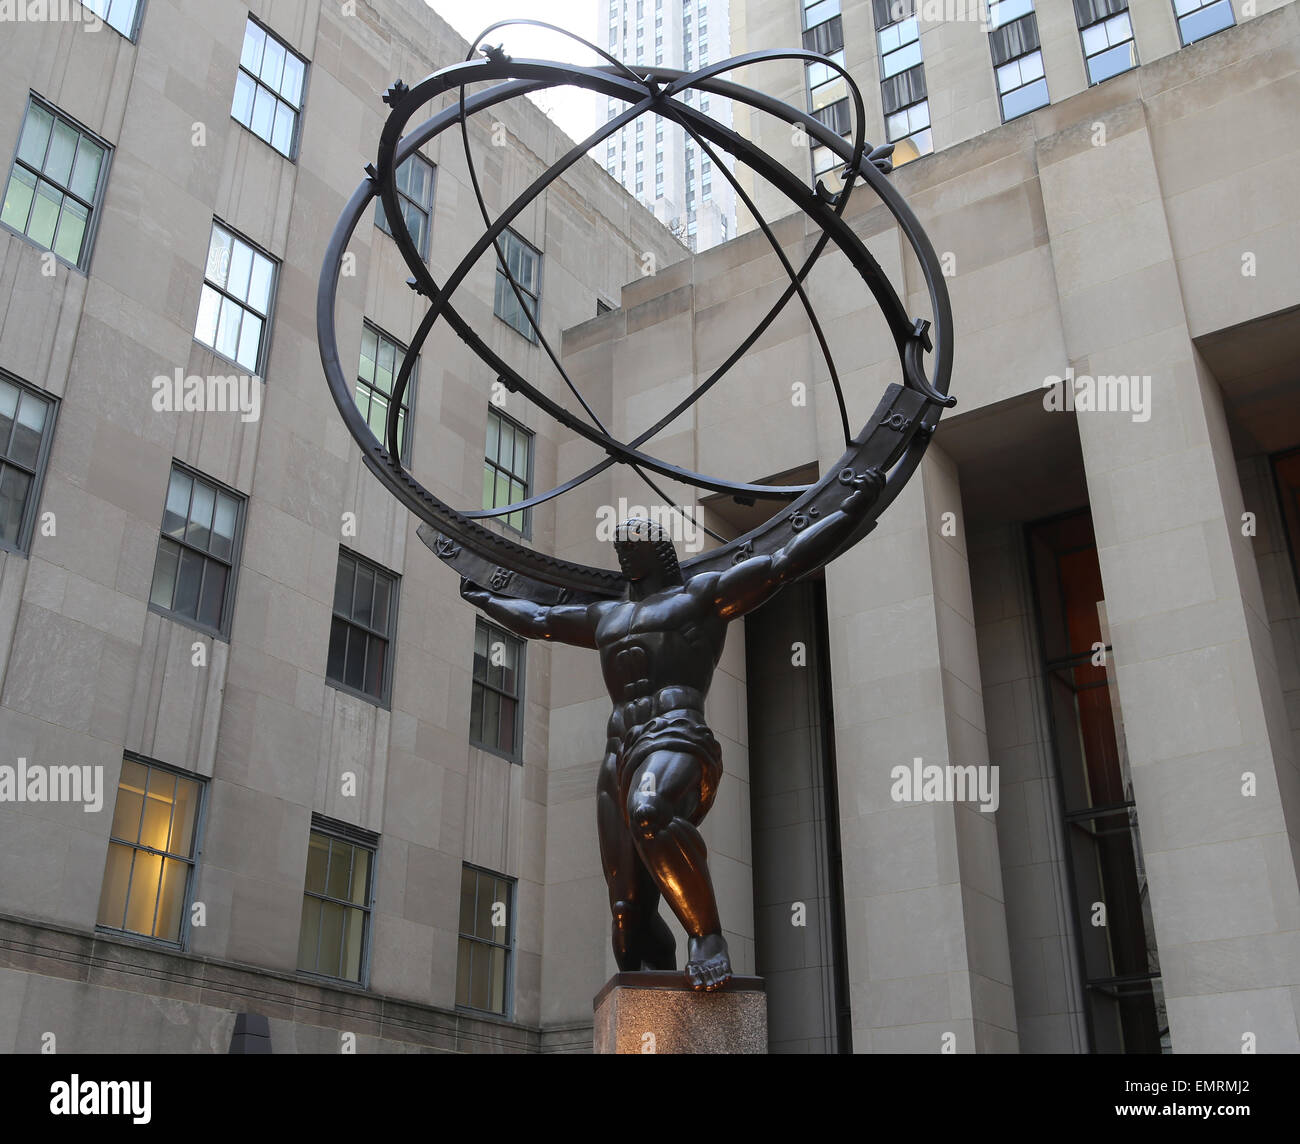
column 708, row 963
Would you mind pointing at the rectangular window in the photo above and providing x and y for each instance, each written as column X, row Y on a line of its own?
column 487, row 938
column 415, row 195
column 151, row 852
column 900, row 47
column 269, row 88
column 1107, row 36
column 507, row 466
column 120, row 15
column 381, row 358
column 1018, row 64
column 235, row 303
column 198, row 552
column 56, row 183
column 524, row 263
column 1200, row 18
column 361, row 632
column 496, row 710
column 26, row 427
column 333, row 938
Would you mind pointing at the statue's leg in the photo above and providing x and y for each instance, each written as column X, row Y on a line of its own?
column 642, row 940
column 663, row 799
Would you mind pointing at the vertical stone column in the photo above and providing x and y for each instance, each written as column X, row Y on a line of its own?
column 1203, row 709
column 929, row 966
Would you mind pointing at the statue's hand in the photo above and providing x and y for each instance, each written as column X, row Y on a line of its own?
column 864, row 488
column 473, row 593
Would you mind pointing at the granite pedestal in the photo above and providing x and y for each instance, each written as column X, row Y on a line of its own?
column 660, row 1013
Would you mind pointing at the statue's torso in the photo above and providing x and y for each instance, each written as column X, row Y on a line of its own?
column 658, row 654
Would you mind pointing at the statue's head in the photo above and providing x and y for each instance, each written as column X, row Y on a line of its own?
column 645, row 552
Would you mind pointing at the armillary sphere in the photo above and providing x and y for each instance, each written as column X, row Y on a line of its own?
column 886, row 449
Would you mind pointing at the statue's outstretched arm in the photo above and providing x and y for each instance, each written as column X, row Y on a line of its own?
column 745, row 586
column 564, row 623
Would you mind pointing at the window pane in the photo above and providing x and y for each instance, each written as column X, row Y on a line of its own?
column 177, row 512
column 354, row 932
column 338, row 650
column 218, row 266
column 506, row 724
column 467, row 883
column 386, row 365
column 254, row 42
column 360, row 876
column 85, row 174
column 183, row 817
column 36, row 136
column 259, row 287
column 45, row 215
column 263, row 112
column 250, row 342
column 272, row 69
column 1111, row 62
column 188, row 581
column 171, row 899
column 1094, row 39
column 363, row 595
column 71, row 231
column 117, row 877
column 308, row 934
column 379, row 616
column 241, row 265
column 476, row 713
column 318, row 854
column 130, row 801
column 18, row 199
column 201, row 507
column 497, row 962
column 1025, row 99
column 491, row 718
column 463, row 969
column 282, row 132
column 480, row 980
column 331, row 939
column 377, row 650
column 214, row 595
column 222, row 541
column 164, row 574
column 291, row 87
column 354, row 667
column 369, row 351
column 242, row 106
column 227, row 344
column 343, row 584
column 26, row 443
column 340, row 869
column 142, row 900
column 155, row 823
column 63, row 149
column 1031, row 66
column 521, row 456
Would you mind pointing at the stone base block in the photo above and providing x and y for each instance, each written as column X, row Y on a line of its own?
column 660, row 1013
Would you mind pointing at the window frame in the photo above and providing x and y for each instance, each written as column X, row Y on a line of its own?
column 136, row 21
column 1131, row 41
column 221, row 633
column 27, row 526
column 402, row 196
column 292, row 155
column 408, row 398
column 357, row 837
column 527, row 531
column 512, row 939
column 529, row 333
column 264, row 348
column 1041, row 78
column 384, row 699
column 1183, row 42
column 82, row 266
column 191, row 884
column 517, row 756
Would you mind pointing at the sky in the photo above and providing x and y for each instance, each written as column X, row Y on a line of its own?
column 573, row 109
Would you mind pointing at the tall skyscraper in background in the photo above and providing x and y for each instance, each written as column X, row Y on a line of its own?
column 655, row 160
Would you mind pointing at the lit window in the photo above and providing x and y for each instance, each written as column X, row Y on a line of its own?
column 507, row 460
column 381, row 358
column 238, row 283
column 337, row 892
column 524, row 263
column 151, row 847
column 120, row 15
column 1200, row 18
column 414, row 184
column 361, row 632
column 198, row 551
column 26, row 426
column 268, row 88
column 55, row 184
column 1108, row 45
column 487, row 936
